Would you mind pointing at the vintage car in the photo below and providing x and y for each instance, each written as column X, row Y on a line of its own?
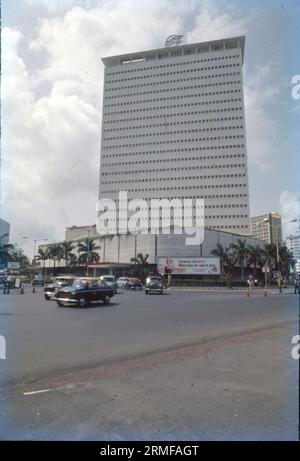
column 83, row 292
column 110, row 280
column 40, row 280
column 134, row 284
column 154, row 284
column 122, row 282
column 59, row 282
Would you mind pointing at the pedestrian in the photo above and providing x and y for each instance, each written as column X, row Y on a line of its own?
column 296, row 286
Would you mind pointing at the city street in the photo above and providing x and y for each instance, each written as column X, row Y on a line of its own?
column 206, row 365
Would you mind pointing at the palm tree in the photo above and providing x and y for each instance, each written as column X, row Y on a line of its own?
column 87, row 249
column 222, row 253
column 286, row 258
column 67, row 248
column 55, row 253
column 43, row 254
column 241, row 252
column 269, row 254
column 141, row 263
column 255, row 257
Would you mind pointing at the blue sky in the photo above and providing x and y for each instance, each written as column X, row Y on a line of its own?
column 51, row 92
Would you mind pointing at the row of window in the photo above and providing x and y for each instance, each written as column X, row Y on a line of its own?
column 173, row 141
column 175, row 178
column 160, row 66
column 201, row 186
column 171, row 89
column 170, row 133
column 241, row 226
column 174, row 114
column 185, row 122
column 193, row 149
column 159, row 108
column 171, row 98
column 181, row 168
column 176, row 72
column 206, row 197
column 173, row 81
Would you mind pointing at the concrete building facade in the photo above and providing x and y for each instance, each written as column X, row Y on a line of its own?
column 267, row 227
column 173, row 126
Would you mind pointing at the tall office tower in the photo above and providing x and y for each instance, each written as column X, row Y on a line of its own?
column 173, row 126
column 267, row 227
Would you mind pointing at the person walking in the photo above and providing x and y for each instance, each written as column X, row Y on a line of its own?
column 296, row 286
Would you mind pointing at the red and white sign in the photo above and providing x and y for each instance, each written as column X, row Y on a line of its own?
column 201, row 266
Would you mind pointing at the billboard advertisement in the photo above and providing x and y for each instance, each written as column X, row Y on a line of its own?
column 200, row 266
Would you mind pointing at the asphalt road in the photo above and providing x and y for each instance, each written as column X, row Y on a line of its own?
column 206, row 365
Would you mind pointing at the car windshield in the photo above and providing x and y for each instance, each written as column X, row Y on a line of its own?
column 154, row 279
column 80, row 284
column 109, row 279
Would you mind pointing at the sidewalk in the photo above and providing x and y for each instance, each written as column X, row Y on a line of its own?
column 225, row 289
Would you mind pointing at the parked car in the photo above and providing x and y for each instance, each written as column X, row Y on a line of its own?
column 82, row 292
column 134, row 284
column 59, row 282
column 122, row 282
column 40, row 280
column 110, row 280
column 154, row 284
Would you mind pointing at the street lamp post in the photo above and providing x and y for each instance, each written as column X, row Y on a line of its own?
column 35, row 242
column 276, row 227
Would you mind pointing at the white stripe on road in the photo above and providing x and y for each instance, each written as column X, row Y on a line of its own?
column 41, row 391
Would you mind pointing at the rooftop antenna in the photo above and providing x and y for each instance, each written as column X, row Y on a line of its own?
column 173, row 40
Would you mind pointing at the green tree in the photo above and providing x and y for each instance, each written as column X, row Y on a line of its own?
column 222, row 253
column 55, row 253
column 67, row 248
column 141, row 264
column 240, row 250
column 255, row 257
column 87, row 250
column 43, row 254
column 287, row 261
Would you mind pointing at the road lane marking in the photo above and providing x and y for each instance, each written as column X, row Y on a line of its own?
column 41, row 391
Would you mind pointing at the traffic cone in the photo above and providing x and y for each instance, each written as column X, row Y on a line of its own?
column 33, row 289
column 21, row 291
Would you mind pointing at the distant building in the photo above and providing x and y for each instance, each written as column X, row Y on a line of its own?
column 293, row 244
column 77, row 232
column 267, row 227
column 4, row 232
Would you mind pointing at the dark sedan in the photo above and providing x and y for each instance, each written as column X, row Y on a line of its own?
column 83, row 292
column 154, row 285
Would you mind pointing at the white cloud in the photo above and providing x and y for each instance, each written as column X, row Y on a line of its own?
column 290, row 210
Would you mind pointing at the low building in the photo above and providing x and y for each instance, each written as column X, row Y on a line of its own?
column 293, row 244
column 77, row 232
column 267, row 227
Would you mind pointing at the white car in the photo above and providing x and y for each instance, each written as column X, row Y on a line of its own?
column 110, row 280
column 122, row 282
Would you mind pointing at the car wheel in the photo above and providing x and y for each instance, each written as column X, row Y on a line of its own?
column 59, row 303
column 82, row 302
column 106, row 300
column 47, row 297
column 162, row 292
column 146, row 293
